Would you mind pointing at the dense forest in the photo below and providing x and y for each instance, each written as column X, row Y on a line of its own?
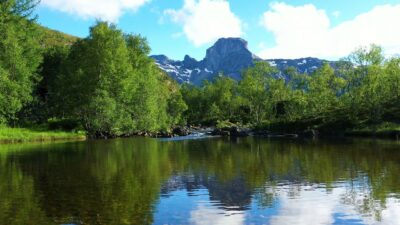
column 104, row 83
column 359, row 92
column 107, row 85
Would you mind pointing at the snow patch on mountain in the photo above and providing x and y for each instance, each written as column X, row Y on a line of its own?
column 229, row 56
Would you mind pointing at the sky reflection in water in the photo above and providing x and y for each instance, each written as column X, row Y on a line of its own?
column 205, row 181
column 297, row 204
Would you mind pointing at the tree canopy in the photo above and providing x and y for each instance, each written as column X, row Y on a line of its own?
column 108, row 85
column 359, row 91
column 20, row 56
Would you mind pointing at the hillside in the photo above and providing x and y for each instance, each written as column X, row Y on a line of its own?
column 55, row 38
column 228, row 55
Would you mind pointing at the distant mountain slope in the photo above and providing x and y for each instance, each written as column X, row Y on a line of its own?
column 229, row 56
column 55, row 38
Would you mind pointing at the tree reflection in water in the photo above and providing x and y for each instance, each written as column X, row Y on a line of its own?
column 249, row 180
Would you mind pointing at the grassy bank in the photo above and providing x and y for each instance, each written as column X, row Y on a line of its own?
column 384, row 130
column 16, row 135
column 334, row 129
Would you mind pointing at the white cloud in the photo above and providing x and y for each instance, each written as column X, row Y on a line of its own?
column 107, row 10
column 391, row 214
column 308, row 207
column 203, row 215
column 302, row 31
column 336, row 14
column 318, row 206
column 204, row 21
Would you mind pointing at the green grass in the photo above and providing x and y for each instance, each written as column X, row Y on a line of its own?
column 17, row 135
column 53, row 38
column 383, row 130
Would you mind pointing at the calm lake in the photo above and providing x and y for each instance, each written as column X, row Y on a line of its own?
column 204, row 181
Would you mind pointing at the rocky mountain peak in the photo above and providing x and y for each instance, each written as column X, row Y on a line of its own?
column 161, row 58
column 226, row 46
column 190, row 62
column 229, row 55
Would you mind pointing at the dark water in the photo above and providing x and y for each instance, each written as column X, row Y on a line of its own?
column 205, row 181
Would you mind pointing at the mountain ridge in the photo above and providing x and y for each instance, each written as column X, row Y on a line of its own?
column 229, row 56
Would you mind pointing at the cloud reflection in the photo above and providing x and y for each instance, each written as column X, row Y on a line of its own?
column 319, row 206
column 204, row 215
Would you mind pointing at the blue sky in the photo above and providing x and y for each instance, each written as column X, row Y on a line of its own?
column 274, row 29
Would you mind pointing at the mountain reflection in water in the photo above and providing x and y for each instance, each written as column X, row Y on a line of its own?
column 205, row 181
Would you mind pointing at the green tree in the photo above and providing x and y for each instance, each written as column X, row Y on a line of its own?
column 253, row 88
column 324, row 90
column 19, row 57
column 213, row 101
column 176, row 105
column 111, row 85
column 97, row 76
column 367, row 84
column 157, row 102
column 298, row 85
column 221, row 97
column 392, row 70
column 194, row 99
column 46, row 102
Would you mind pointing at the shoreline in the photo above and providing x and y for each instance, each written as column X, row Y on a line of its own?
column 30, row 135
column 237, row 131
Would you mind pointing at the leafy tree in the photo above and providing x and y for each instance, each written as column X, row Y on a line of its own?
column 392, row 70
column 97, row 77
column 176, row 105
column 158, row 104
column 51, row 70
column 194, row 99
column 298, row 86
column 114, row 88
column 213, row 101
column 367, row 84
column 324, row 90
column 253, row 88
column 46, row 103
column 222, row 96
column 19, row 57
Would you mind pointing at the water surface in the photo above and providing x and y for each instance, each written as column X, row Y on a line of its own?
column 204, row 181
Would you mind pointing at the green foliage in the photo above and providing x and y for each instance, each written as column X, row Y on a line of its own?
column 109, row 83
column 175, row 108
column 324, row 90
column 95, row 69
column 362, row 90
column 39, row 182
column 52, row 38
column 19, row 57
column 64, row 124
column 13, row 135
column 255, row 90
column 221, row 124
column 213, row 101
column 46, row 101
column 371, row 85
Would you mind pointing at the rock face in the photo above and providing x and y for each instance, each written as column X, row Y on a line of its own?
column 229, row 56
